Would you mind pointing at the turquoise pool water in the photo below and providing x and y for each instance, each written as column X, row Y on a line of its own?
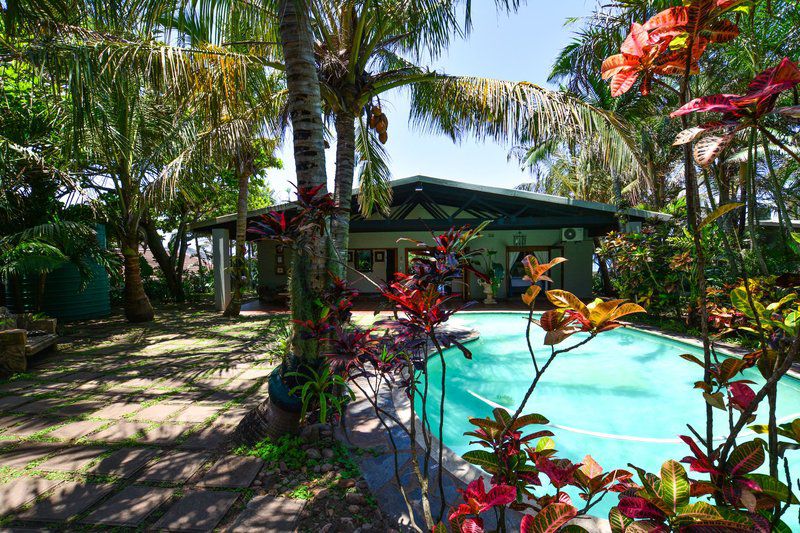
column 626, row 395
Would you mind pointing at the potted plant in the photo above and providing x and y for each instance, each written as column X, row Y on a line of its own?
column 494, row 271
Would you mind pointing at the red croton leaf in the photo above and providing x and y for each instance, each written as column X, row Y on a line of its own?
column 549, row 520
column 741, row 395
column 638, row 507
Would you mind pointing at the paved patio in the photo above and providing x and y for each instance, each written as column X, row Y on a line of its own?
column 126, row 427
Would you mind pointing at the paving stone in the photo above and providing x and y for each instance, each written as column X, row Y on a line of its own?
column 14, row 386
column 196, row 413
column 75, row 430
column 71, row 459
column 209, row 438
column 238, row 386
column 20, row 456
column 67, row 499
column 256, row 373
column 130, row 507
column 175, row 467
column 232, row 416
column 116, row 410
column 81, row 408
column 268, row 514
column 30, row 426
column 22, row 490
column 225, row 373
column 124, row 462
column 7, row 422
column 197, row 511
column 9, row 403
column 165, row 434
column 39, row 406
column 232, row 472
column 120, row 431
column 171, row 384
column 158, row 412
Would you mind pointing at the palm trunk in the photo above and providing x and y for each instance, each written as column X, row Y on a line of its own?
column 165, row 262
column 345, row 168
column 308, row 263
column 605, row 275
column 137, row 305
column 244, row 169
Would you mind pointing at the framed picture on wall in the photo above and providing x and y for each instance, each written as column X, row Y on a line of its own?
column 350, row 256
column 279, row 259
column 279, row 270
column 380, row 256
column 279, row 249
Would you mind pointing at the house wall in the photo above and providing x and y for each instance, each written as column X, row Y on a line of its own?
column 577, row 271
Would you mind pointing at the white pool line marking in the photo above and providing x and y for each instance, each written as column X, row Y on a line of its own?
column 622, row 437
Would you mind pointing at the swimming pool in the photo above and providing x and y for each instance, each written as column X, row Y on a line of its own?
column 623, row 397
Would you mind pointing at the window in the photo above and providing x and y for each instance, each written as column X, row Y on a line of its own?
column 363, row 260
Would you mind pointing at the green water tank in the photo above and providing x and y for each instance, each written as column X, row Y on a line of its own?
column 63, row 297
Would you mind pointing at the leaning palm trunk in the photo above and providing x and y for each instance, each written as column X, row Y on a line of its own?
column 345, row 167
column 137, row 305
column 277, row 415
column 244, row 169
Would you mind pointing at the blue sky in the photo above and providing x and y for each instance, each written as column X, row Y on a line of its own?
column 517, row 47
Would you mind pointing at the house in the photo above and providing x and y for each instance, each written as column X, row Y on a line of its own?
column 523, row 223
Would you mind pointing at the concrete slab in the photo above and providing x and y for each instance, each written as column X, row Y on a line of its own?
column 116, row 410
column 158, row 412
column 68, row 499
column 120, row 431
column 30, row 426
column 71, row 459
column 20, row 456
column 130, row 507
column 232, row 472
column 75, row 430
column 9, row 403
column 165, row 434
column 197, row 511
column 124, row 462
column 175, row 467
column 196, row 413
column 210, row 438
column 22, row 490
column 268, row 514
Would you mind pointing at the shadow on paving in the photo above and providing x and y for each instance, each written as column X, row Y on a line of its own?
column 128, row 426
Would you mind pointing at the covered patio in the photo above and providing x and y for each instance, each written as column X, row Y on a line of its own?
column 522, row 223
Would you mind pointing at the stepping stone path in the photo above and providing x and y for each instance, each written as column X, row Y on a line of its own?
column 130, row 427
column 130, row 507
column 198, row 511
column 232, row 472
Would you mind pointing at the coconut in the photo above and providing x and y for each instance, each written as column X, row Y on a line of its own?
column 383, row 137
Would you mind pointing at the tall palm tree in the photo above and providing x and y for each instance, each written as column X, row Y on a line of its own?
column 367, row 48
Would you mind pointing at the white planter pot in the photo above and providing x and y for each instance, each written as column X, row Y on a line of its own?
column 488, row 290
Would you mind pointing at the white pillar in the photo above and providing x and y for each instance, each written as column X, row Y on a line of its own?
column 221, row 256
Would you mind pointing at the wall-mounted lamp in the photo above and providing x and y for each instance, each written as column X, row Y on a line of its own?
column 519, row 239
column 418, row 188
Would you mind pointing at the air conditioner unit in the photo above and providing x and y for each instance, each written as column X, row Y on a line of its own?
column 571, row 234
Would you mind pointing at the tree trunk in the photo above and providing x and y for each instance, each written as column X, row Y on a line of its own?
column 345, row 169
column 137, row 305
column 605, row 276
column 308, row 263
column 165, row 262
column 244, row 169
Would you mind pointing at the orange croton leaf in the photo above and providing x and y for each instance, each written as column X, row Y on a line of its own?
column 530, row 295
column 567, row 300
column 534, row 271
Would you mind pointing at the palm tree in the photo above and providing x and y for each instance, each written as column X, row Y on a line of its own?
column 365, row 49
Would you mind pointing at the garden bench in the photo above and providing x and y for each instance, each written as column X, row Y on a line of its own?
column 18, row 345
